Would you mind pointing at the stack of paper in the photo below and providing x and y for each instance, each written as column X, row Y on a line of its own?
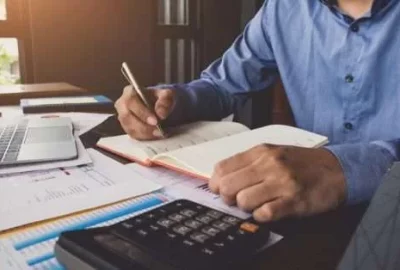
column 31, row 197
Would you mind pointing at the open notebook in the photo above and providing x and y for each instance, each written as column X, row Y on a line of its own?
column 196, row 148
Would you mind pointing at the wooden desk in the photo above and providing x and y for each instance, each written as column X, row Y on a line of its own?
column 11, row 94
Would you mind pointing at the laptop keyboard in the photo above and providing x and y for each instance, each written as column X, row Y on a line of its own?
column 11, row 139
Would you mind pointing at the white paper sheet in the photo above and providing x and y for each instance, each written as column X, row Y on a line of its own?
column 182, row 186
column 9, row 258
column 83, row 158
column 36, row 196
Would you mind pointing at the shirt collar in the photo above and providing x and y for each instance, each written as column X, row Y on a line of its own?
column 376, row 7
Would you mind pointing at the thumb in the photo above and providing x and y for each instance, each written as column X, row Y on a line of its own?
column 165, row 101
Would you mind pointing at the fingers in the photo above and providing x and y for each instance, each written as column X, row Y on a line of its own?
column 165, row 101
column 135, row 118
column 137, row 129
column 233, row 164
column 139, row 109
column 230, row 185
column 253, row 197
column 274, row 210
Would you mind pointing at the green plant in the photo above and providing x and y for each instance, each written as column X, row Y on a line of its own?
column 6, row 61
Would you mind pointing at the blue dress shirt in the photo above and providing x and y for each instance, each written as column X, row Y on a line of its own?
column 341, row 77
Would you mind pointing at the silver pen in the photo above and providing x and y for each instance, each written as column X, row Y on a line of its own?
column 131, row 80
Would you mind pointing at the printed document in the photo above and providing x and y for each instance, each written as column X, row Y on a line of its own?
column 30, row 197
column 185, row 187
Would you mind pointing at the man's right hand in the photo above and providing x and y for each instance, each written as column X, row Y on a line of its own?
column 136, row 119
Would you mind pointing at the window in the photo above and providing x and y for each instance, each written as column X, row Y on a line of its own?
column 3, row 10
column 12, row 37
column 178, row 33
column 9, row 61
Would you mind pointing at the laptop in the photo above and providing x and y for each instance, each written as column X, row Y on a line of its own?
column 376, row 242
column 25, row 141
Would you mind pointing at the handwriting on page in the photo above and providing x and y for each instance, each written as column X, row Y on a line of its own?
column 204, row 157
column 192, row 134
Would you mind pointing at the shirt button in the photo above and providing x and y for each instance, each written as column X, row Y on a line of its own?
column 349, row 78
column 354, row 27
column 348, row 126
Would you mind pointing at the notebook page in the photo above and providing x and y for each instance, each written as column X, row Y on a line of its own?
column 201, row 159
column 179, row 137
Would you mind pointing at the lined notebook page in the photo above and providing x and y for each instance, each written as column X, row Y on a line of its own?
column 201, row 159
column 179, row 137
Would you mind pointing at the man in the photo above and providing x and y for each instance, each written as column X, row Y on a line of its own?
column 340, row 65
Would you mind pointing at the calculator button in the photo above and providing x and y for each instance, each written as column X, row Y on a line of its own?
column 188, row 243
column 179, row 204
column 210, row 231
column 249, row 227
column 171, row 236
column 154, row 228
column 230, row 238
column 208, row 251
column 160, row 212
column 199, row 207
column 142, row 232
column 199, row 237
column 205, row 219
column 150, row 216
column 188, row 213
column 137, row 221
column 165, row 222
column 219, row 244
column 221, row 225
column 182, row 230
column 231, row 220
column 193, row 223
column 215, row 214
column 176, row 217
column 241, row 232
column 127, row 225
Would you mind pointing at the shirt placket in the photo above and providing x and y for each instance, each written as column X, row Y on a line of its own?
column 352, row 81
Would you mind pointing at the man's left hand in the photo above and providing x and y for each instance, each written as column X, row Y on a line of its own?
column 281, row 181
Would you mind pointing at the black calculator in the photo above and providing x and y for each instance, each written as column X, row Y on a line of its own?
column 178, row 235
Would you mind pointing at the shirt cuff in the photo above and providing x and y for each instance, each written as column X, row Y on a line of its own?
column 197, row 100
column 185, row 99
column 363, row 165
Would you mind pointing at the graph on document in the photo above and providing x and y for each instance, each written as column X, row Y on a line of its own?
column 31, row 197
column 32, row 248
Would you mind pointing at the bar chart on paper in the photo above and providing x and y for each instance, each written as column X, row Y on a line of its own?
column 35, row 196
column 32, row 248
